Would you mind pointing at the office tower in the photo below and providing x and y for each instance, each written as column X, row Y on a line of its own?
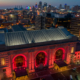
column 76, row 8
column 60, row 6
column 40, row 22
column 49, row 8
column 38, row 12
column 40, row 5
column 33, row 9
column 45, row 4
column 49, row 20
column 75, row 26
column 65, row 6
column 36, row 6
column 68, row 8
column 45, row 9
column 50, row 5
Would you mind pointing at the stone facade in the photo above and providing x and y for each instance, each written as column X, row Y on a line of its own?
column 31, row 53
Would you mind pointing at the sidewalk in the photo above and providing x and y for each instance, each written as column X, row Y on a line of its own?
column 46, row 72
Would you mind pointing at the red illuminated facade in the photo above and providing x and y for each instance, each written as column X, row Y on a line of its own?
column 35, row 55
column 29, row 56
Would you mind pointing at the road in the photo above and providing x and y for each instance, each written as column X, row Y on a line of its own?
column 65, row 75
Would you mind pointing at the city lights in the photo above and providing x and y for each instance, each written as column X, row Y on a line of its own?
column 39, row 41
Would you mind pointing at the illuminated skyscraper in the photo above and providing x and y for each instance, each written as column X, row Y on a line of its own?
column 76, row 8
column 40, row 22
column 33, row 8
column 65, row 6
column 40, row 5
column 75, row 26
column 45, row 4
column 36, row 6
column 38, row 13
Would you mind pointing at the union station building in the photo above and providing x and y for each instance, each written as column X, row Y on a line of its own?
column 33, row 50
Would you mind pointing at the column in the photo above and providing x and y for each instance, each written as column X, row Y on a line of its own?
column 31, row 62
column 68, row 55
column 51, row 58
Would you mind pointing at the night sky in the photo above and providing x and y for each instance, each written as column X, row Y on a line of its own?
column 24, row 3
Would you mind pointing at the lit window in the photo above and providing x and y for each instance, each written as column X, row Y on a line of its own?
column 72, row 49
column 2, row 61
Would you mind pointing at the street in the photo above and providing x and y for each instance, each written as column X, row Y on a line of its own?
column 65, row 75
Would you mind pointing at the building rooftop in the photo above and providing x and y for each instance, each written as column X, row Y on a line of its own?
column 2, row 38
column 18, row 28
column 3, row 30
column 37, row 36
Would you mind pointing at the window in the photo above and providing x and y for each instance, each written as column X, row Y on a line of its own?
column 72, row 50
column 2, row 61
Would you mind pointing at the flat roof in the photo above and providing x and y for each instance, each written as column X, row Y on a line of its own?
column 18, row 28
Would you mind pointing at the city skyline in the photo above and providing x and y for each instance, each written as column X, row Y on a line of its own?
column 11, row 4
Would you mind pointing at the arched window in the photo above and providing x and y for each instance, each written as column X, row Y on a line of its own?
column 40, row 58
column 19, row 61
column 59, row 54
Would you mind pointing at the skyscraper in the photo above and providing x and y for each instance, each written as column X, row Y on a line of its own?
column 36, row 6
column 40, row 22
column 40, row 5
column 60, row 6
column 65, row 6
column 45, row 4
column 75, row 26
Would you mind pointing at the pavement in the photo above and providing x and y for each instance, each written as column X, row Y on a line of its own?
column 52, row 74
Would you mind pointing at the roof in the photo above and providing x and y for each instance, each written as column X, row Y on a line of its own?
column 18, row 28
column 37, row 36
column 2, row 38
column 3, row 30
column 60, row 63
